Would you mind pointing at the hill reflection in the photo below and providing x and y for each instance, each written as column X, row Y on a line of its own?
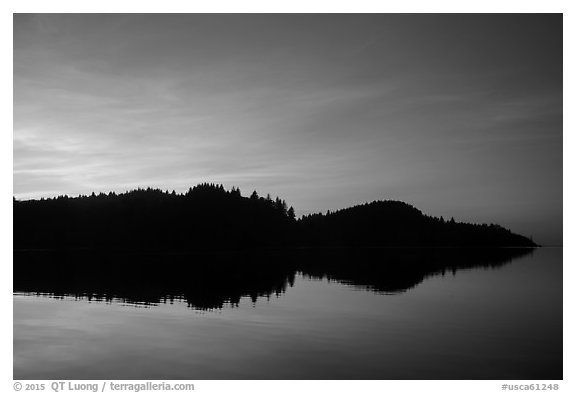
column 398, row 270
column 211, row 280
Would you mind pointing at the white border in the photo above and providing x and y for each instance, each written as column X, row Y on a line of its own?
column 309, row 6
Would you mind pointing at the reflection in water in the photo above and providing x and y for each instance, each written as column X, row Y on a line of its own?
column 203, row 281
column 398, row 270
column 484, row 323
column 209, row 281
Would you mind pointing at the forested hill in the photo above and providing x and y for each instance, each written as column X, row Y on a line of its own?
column 209, row 217
column 398, row 224
column 205, row 216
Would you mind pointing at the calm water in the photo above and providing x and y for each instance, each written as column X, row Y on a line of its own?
column 500, row 322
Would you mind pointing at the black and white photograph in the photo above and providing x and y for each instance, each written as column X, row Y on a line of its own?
column 288, row 196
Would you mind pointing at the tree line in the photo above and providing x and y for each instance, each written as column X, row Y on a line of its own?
column 207, row 216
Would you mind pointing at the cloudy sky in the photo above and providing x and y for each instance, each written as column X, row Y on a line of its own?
column 460, row 115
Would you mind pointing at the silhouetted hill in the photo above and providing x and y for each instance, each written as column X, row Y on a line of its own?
column 206, row 216
column 209, row 217
column 398, row 224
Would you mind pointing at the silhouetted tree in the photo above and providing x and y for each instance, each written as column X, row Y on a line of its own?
column 291, row 213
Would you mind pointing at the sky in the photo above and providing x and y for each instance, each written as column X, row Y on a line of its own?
column 459, row 115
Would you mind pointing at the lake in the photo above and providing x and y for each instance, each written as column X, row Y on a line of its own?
column 493, row 320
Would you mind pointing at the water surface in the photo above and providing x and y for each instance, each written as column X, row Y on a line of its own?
column 489, row 321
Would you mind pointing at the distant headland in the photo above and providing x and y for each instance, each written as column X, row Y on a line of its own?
column 208, row 216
